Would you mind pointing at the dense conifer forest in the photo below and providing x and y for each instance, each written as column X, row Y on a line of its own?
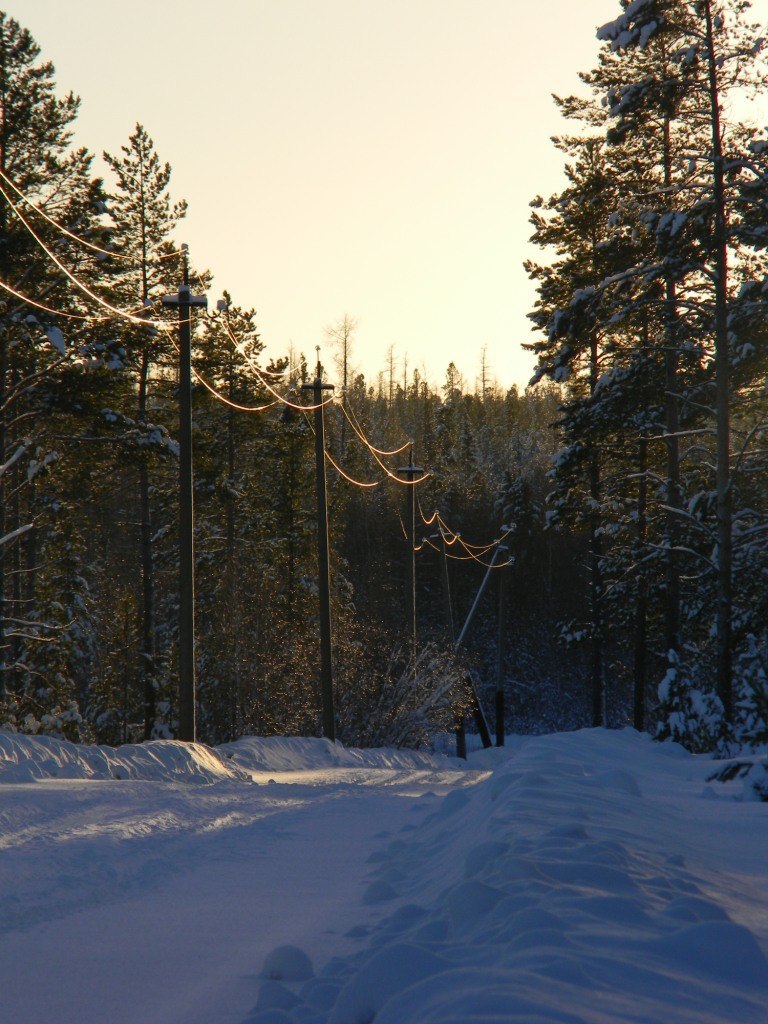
column 628, row 483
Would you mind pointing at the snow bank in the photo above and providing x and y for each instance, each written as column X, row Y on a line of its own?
column 301, row 753
column 28, row 758
column 564, row 889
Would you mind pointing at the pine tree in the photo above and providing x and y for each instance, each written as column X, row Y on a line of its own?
column 144, row 217
column 709, row 50
column 44, row 343
column 579, row 223
column 230, row 519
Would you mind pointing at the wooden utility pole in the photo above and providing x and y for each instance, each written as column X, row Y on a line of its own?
column 410, row 472
column 477, row 708
column 461, row 736
column 186, row 302
column 324, row 580
column 447, row 604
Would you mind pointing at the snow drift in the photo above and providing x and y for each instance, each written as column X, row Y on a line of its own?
column 29, row 758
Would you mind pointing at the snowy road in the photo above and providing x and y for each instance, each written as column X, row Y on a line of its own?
column 158, row 902
column 584, row 878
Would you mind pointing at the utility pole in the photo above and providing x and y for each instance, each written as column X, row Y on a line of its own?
column 448, row 606
column 410, row 472
column 324, row 581
column 461, row 736
column 477, row 709
column 501, row 549
column 186, row 302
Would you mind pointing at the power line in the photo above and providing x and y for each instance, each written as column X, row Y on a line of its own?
column 347, row 477
column 373, row 451
column 28, row 301
column 456, row 538
column 481, row 548
column 281, row 398
column 373, row 448
column 336, row 466
column 470, row 557
column 74, row 279
column 432, row 518
column 71, row 234
column 227, row 401
column 473, row 550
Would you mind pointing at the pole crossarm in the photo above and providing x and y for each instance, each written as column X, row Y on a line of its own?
column 184, row 298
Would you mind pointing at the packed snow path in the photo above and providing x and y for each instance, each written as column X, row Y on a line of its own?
column 588, row 878
column 151, row 901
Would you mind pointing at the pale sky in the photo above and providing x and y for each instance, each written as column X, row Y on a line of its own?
column 370, row 157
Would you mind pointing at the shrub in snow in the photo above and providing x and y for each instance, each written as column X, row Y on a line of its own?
column 756, row 786
column 23, row 713
column 404, row 703
column 687, row 713
column 751, row 672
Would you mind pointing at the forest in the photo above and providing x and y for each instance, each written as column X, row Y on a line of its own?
column 627, row 482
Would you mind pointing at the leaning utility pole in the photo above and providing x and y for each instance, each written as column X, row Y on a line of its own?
column 186, row 302
column 324, row 581
column 410, row 472
column 477, row 709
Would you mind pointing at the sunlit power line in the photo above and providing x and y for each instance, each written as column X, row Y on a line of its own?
column 373, row 451
column 223, row 398
column 451, row 537
column 470, row 557
column 28, row 301
column 473, row 551
column 70, row 234
column 239, row 347
column 373, row 448
column 74, row 279
column 347, row 477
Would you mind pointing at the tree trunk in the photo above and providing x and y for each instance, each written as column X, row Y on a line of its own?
column 641, row 606
column 231, row 585
column 672, row 426
column 3, row 610
column 596, row 594
column 722, row 391
column 599, row 716
column 147, row 603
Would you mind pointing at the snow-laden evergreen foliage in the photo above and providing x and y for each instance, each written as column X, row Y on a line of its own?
column 654, row 312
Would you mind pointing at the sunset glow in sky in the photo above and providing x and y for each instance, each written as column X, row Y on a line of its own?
column 373, row 157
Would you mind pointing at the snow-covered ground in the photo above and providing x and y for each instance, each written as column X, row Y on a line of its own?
column 582, row 878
